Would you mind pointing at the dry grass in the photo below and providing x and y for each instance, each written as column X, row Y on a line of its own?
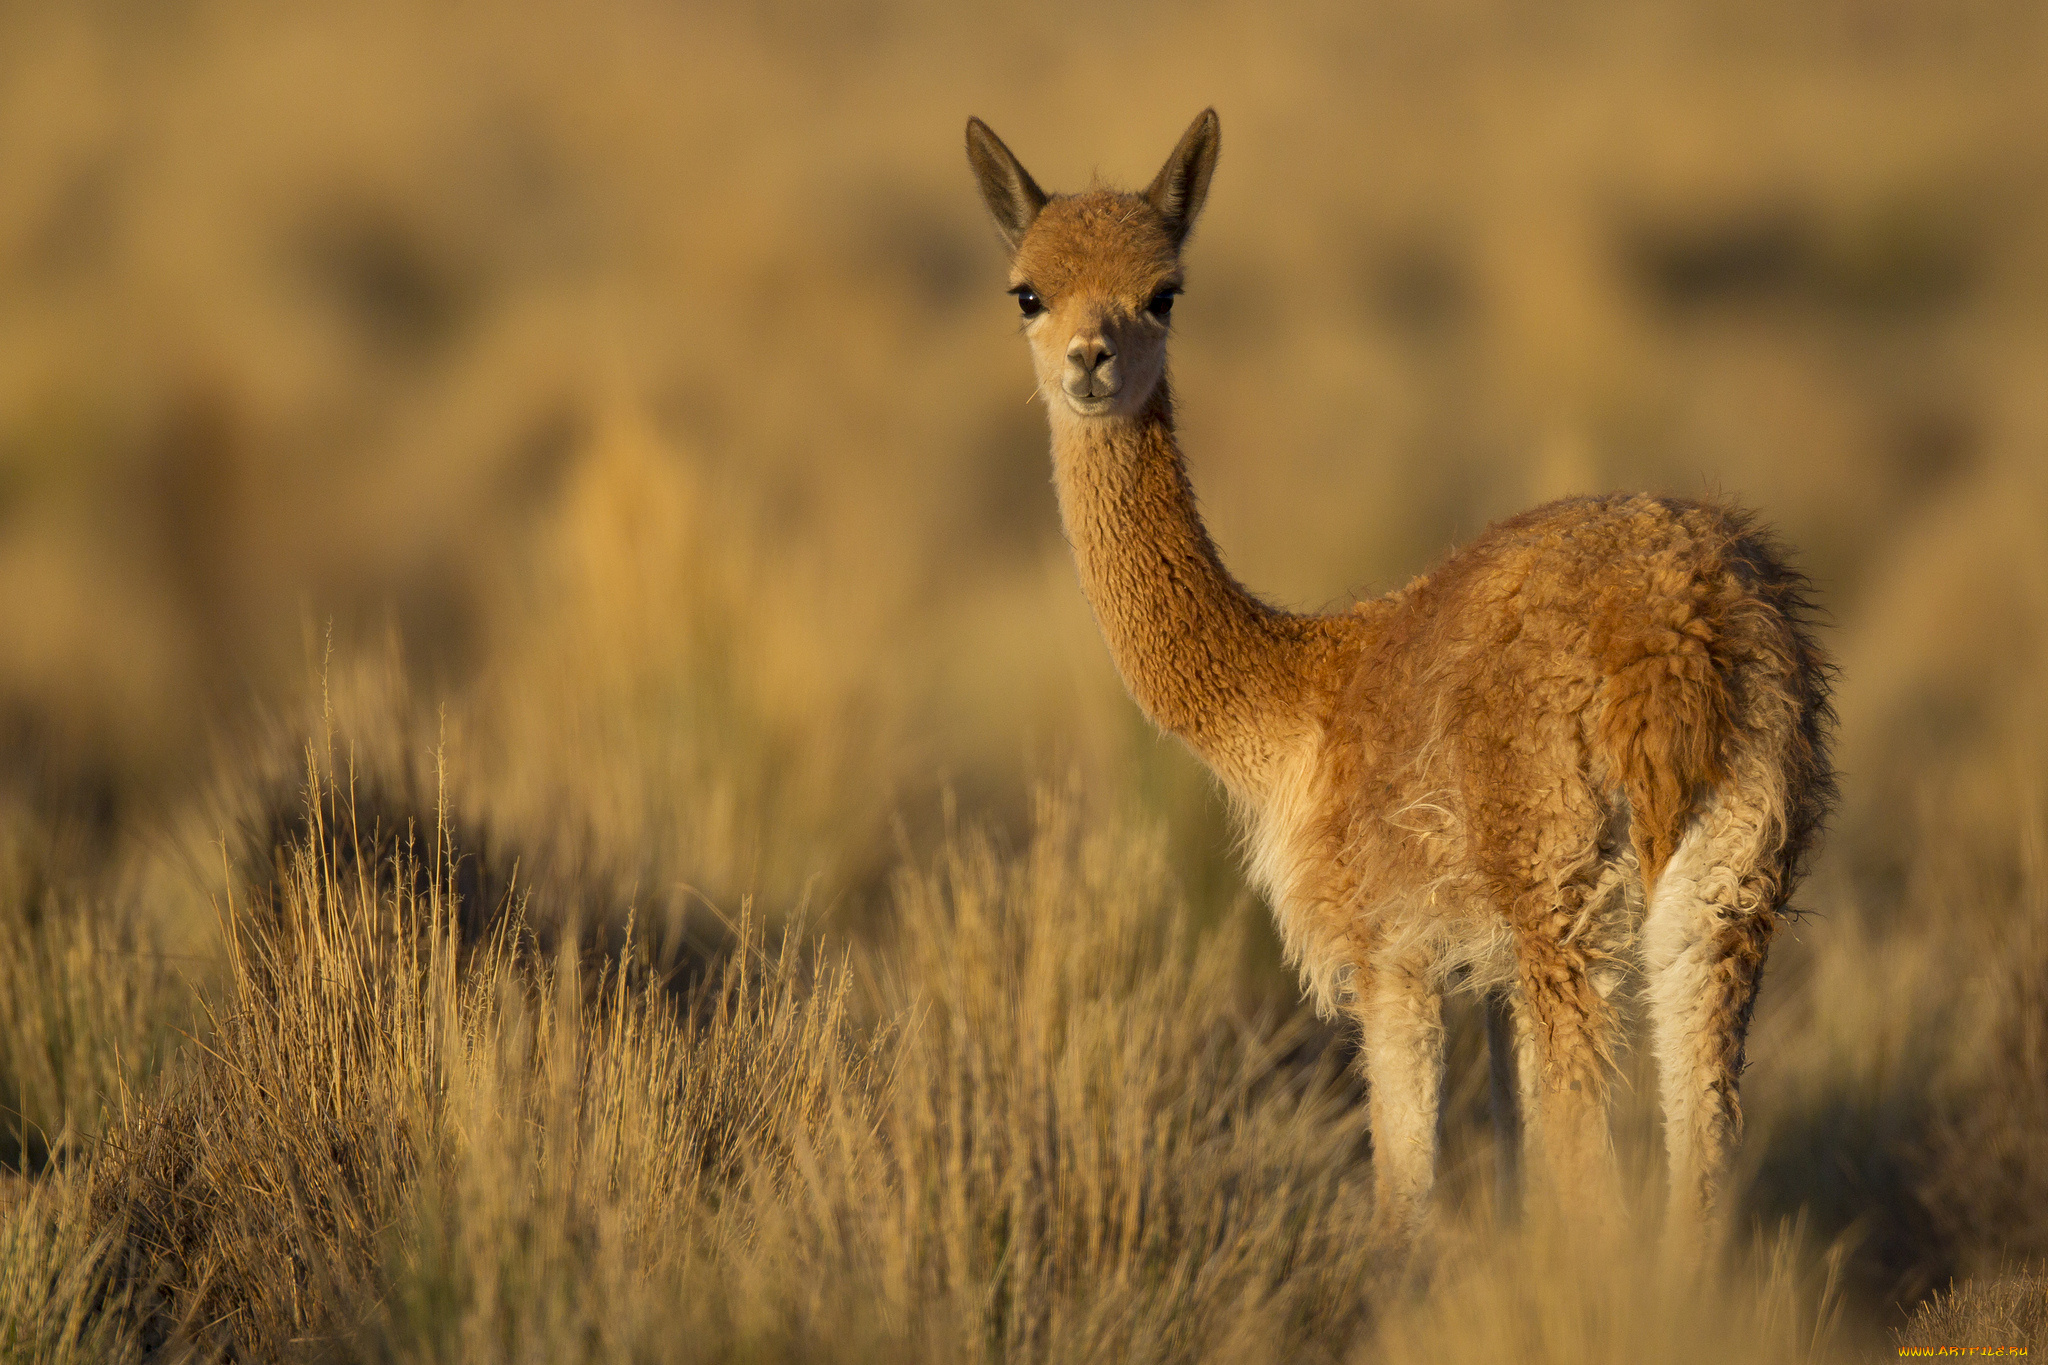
column 1992, row 1315
column 591, row 445
column 1039, row 1127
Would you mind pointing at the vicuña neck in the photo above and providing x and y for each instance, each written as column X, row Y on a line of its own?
column 1205, row 659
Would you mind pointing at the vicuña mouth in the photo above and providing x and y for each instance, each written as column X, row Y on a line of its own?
column 1090, row 402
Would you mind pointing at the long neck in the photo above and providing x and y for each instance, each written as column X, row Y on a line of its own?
column 1205, row 659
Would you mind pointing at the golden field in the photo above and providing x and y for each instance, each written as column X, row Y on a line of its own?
column 559, row 798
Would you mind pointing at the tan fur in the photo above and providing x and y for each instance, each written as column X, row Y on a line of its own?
column 1593, row 741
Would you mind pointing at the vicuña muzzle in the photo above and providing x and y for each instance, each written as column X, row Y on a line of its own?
column 1091, row 370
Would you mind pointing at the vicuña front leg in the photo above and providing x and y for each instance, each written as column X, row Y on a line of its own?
column 1400, row 1011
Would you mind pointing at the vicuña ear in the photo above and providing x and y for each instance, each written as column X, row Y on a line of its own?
column 1012, row 195
column 1183, row 182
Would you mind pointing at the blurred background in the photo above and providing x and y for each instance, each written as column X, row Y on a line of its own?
column 608, row 414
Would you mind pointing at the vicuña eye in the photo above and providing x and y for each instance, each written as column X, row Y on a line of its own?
column 1161, row 304
column 1028, row 302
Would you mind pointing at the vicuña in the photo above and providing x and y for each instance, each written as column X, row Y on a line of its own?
column 1593, row 740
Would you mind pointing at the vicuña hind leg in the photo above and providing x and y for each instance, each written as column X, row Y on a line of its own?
column 1709, row 924
column 1512, row 1071
column 1400, row 1012
column 1571, row 1031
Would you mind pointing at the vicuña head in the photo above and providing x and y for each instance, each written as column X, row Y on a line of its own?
column 1095, row 274
column 1591, row 743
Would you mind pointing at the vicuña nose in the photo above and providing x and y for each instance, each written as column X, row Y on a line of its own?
column 1087, row 354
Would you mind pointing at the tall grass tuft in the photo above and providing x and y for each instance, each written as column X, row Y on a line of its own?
column 90, row 1006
